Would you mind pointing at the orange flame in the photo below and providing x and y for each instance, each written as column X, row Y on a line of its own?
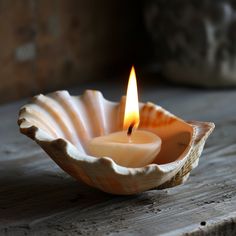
column 131, row 117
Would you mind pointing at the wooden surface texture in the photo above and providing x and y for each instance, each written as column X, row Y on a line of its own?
column 37, row 198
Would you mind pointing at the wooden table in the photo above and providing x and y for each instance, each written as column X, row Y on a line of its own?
column 37, row 198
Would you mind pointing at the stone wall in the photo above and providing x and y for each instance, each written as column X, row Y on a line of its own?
column 194, row 40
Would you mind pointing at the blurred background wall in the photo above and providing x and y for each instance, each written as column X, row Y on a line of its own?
column 194, row 40
column 47, row 45
column 53, row 44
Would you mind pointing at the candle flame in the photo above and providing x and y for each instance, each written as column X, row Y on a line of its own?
column 131, row 117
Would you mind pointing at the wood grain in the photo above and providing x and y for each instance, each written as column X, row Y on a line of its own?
column 37, row 198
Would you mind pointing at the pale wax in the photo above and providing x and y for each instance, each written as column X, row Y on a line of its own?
column 137, row 150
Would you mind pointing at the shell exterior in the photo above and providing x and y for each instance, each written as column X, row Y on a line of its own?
column 63, row 124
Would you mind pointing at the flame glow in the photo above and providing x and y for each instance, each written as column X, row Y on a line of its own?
column 131, row 117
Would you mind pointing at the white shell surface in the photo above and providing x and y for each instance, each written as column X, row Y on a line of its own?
column 63, row 125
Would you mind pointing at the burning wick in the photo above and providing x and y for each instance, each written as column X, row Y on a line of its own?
column 130, row 129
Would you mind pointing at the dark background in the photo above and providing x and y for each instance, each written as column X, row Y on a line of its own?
column 49, row 45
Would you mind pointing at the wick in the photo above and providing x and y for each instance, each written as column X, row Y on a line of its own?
column 130, row 129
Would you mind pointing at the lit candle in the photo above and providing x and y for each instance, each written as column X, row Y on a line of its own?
column 130, row 147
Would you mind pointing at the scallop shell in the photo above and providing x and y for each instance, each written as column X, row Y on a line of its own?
column 63, row 124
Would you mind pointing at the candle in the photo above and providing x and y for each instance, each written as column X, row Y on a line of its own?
column 130, row 147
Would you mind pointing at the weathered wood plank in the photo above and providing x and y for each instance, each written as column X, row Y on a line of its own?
column 37, row 198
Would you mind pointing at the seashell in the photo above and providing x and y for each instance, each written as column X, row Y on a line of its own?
column 63, row 125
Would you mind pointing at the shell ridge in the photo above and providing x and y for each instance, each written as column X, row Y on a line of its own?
column 83, row 116
column 121, row 112
column 43, row 126
column 153, row 116
column 35, row 133
column 56, row 110
column 47, row 104
column 112, row 112
column 38, row 118
column 46, row 117
column 69, row 106
column 203, row 129
column 95, row 109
